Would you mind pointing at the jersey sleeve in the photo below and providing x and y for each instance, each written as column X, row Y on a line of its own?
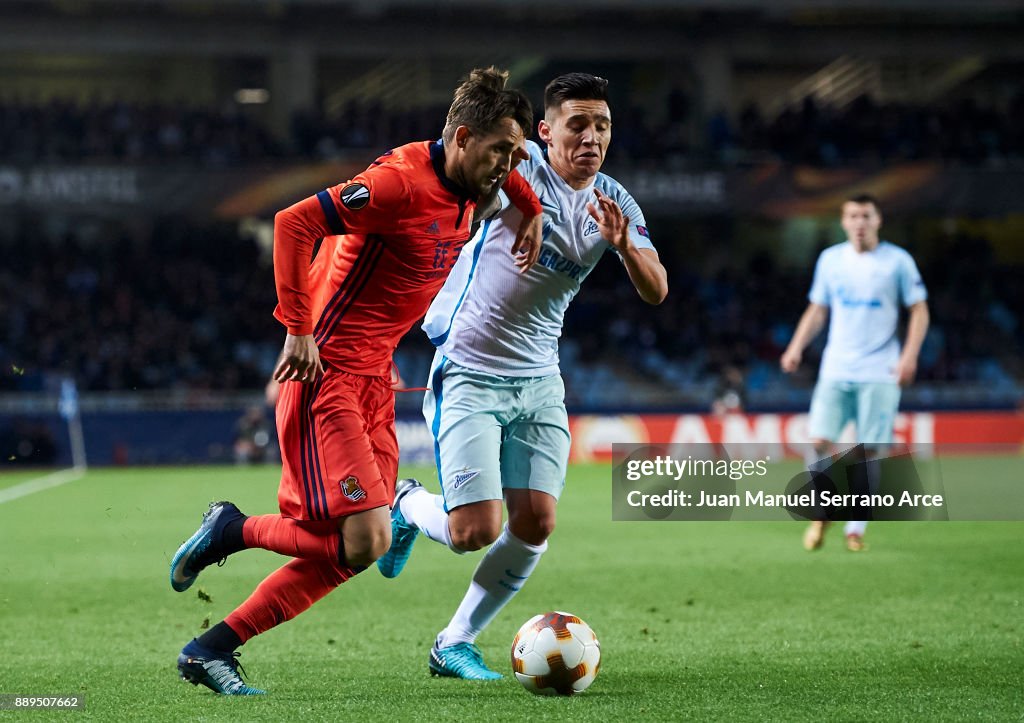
column 819, row 293
column 638, row 232
column 912, row 288
column 521, row 195
column 371, row 203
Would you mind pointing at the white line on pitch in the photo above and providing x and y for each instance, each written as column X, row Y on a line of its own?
column 41, row 483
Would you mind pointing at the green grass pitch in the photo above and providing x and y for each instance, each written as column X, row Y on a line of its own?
column 697, row 621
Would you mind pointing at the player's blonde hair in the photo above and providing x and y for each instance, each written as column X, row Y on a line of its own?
column 482, row 101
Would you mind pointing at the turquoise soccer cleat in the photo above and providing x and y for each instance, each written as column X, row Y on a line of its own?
column 203, row 548
column 462, row 660
column 403, row 535
column 216, row 670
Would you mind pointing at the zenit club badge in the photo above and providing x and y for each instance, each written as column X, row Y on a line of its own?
column 355, row 196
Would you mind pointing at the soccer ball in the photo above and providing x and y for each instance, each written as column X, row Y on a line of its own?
column 556, row 654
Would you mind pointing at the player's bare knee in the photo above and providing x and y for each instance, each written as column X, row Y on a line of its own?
column 476, row 525
column 533, row 529
column 474, row 535
column 360, row 556
column 364, row 549
column 464, row 540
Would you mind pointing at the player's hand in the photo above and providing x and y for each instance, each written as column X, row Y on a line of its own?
column 906, row 370
column 613, row 225
column 790, row 360
column 300, row 360
column 529, row 237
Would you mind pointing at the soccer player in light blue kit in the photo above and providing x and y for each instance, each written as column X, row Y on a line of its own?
column 496, row 400
column 861, row 284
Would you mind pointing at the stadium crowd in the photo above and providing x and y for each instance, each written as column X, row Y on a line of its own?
column 171, row 307
column 965, row 131
column 65, row 131
column 185, row 307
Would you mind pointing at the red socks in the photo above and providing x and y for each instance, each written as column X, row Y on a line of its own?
column 285, row 593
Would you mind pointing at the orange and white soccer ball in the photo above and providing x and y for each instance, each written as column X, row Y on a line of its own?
column 556, row 654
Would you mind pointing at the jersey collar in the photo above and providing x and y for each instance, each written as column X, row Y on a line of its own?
column 437, row 160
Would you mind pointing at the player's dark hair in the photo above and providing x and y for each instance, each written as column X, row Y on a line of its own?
column 863, row 198
column 574, row 86
column 483, row 101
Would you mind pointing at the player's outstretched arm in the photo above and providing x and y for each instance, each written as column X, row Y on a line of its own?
column 645, row 269
column 811, row 323
column 917, row 327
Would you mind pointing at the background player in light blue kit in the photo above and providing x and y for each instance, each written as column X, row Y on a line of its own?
column 496, row 399
column 861, row 284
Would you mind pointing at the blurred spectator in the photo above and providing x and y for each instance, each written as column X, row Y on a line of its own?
column 254, row 437
column 730, row 392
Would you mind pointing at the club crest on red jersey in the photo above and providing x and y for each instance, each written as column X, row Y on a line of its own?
column 355, row 196
column 351, row 489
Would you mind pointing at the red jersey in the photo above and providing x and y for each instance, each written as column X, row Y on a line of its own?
column 400, row 226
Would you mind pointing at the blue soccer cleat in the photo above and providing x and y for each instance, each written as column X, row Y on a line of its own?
column 462, row 660
column 403, row 534
column 203, row 548
column 217, row 670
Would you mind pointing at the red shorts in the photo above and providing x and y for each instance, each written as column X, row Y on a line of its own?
column 339, row 452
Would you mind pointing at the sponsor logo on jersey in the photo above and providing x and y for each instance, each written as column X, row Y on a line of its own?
column 551, row 259
column 355, row 196
column 848, row 298
column 443, row 251
column 463, row 476
column 351, row 489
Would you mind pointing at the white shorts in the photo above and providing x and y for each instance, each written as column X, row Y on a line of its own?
column 870, row 405
column 493, row 433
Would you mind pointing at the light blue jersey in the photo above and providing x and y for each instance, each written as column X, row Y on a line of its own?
column 490, row 317
column 864, row 293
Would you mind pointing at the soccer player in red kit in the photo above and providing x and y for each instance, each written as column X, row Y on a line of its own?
column 397, row 229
